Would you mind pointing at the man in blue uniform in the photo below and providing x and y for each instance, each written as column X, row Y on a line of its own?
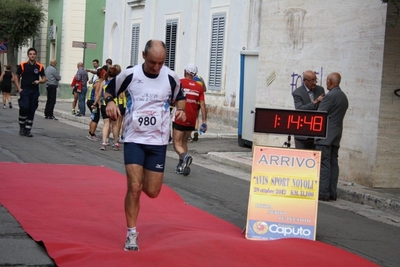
column 30, row 74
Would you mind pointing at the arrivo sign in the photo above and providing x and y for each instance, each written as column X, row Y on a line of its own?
column 296, row 122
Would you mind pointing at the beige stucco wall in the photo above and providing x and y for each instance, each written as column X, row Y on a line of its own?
column 387, row 167
column 347, row 37
column 73, row 30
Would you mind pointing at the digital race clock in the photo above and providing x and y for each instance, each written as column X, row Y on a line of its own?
column 296, row 122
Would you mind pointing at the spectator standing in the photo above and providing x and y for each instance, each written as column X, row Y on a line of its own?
column 52, row 79
column 149, row 88
column 82, row 77
column 31, row 73
column 96, row 66
column 6, row 77
column 109, row 63
column 307, row 97
column 336, row 104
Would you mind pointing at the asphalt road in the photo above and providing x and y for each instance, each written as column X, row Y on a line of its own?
column 218, row 189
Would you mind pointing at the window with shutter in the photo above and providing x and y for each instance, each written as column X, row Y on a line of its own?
column 170, row 43
column 216, row 51
column 135, row 44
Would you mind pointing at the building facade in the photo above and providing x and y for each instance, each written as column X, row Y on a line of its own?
column 208, row 33
column 69, row 22
column 349, row 37
column 354, row 39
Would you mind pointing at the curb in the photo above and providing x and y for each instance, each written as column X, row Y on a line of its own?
column 381, row 203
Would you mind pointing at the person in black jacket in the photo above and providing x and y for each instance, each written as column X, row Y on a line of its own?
column 31, row 74
column 307, row 97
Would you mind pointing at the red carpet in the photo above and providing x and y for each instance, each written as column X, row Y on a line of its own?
column 77, row 211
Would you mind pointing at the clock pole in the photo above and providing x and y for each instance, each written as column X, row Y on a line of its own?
column 287, row 143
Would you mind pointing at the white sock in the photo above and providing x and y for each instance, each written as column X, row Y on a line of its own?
column 130, row 230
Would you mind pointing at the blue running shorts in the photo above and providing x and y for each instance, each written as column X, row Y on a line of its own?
column 151, row 157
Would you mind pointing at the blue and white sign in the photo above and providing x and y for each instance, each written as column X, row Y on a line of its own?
column 3, row 47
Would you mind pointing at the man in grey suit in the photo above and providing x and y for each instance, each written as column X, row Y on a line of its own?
column 307, row 97
column 335, row 103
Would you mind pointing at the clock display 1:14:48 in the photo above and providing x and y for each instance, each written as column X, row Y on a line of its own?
column 314, row 123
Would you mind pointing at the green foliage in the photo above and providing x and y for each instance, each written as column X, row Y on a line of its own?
column 20, row 20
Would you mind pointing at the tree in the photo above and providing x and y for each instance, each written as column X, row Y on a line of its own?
column 20, row 20
column 396, row 4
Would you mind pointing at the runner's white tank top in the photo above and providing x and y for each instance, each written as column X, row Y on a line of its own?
column 147, row 117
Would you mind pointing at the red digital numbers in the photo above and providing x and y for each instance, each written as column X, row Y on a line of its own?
column 309, row 122
column 276, row 121
column 291, row 121
column 296, row 122
column 318, row 123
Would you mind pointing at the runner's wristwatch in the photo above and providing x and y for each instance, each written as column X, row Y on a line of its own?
column 109, row 99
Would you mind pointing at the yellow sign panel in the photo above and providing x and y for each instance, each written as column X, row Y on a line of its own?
column 283, row 199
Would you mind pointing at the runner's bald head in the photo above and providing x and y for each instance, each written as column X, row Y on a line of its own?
column 155, row 45
column 154, row 56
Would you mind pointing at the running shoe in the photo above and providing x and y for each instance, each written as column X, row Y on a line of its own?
column 9, row 105
column 116, row 146
column 73, row 112
column 107, row 142
column 185, row 165
column 92, row 137
column 190, row 139
column 179, row 169
column 186, row 171
column 195, row 136
column 121, row 140
column 4, row 106
column 103, row 146
column 131, row 242
column 52, row 118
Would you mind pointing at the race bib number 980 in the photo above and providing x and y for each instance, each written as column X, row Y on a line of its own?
column 146, row 120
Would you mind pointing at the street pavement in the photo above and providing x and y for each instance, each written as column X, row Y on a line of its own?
column 383, row 203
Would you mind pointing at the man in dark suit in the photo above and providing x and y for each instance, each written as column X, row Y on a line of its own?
column 335, row 103
column 307, row 97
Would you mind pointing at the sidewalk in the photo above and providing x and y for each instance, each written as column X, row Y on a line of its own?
column 382, row 199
